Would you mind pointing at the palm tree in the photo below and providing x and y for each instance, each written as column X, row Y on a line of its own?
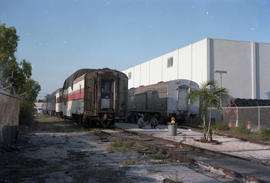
column 210, row 96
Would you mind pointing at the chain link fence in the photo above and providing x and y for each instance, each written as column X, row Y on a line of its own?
column 253, row 118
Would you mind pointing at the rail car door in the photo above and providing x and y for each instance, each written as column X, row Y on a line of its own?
column 107, row 94
column 90, row 95
column 141, row 101
column 182, row 94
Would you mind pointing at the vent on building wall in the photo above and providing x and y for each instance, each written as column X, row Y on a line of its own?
column 170, row 62
column 129, row 75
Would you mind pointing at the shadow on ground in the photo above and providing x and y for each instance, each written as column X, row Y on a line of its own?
column 53, row 150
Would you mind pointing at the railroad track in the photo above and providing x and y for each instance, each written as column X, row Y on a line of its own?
column 241, row 169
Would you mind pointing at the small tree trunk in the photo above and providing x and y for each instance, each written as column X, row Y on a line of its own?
column 209, row 136
column 204, row 123
column 204, row 128
column 205, row 133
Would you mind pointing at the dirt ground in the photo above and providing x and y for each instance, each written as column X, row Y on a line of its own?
column 53, row 150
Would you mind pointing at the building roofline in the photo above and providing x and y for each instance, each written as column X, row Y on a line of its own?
column 236, row 40
column 207, row 38
column 166, row 53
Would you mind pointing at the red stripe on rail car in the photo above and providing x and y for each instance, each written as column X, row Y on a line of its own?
column 76, row 95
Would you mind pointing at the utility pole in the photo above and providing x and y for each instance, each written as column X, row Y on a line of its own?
column 220, row 74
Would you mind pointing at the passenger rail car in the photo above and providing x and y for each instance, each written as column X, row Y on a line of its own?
column 50, row 104
column 58, row 103
column 94, row 96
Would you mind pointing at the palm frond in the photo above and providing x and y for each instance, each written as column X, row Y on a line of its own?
column 210, row 95
column 192, row 96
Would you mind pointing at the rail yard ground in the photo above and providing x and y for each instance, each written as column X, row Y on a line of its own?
column 53, row 150
column 245, row 161
column 228, row 145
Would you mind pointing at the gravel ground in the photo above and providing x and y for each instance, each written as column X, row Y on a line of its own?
column 233, row 146
column 60, row 151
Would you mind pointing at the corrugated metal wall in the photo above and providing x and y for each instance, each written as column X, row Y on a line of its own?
column 9, row 118
column 188, row 63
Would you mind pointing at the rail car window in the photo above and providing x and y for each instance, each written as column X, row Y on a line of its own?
column 170, row 62
column 107, row 94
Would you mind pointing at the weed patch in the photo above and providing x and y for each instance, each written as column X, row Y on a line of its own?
column 158, row 156
column 45, row 118
column 76, row 153
column 96, row 131
column 138, row 147
column 157, row 162
column 119, row 145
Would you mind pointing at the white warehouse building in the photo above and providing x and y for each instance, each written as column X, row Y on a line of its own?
column 245, row 66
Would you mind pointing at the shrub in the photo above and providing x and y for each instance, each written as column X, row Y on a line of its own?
column 26, row 113
column 240, row 129
column 265, row 133
column 220, row 126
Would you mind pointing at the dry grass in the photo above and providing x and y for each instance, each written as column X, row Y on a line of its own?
column 76, row 153
column 129, row 162
column 95, row 131
column 45, row 118
column 151, row 170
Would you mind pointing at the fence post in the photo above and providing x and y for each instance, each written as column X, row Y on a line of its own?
column 237, row 117
column 259, row 117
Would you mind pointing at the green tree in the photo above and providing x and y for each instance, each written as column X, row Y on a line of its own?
column 17, row 75
column 210, row 97
column 8, row 47
column 31, row 90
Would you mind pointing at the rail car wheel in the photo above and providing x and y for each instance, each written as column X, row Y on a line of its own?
column 163, row 120
column 153, row 122
column 80, row 120
column 84, row 121
column 132, row 117
column 88, row 122
column 106, row 123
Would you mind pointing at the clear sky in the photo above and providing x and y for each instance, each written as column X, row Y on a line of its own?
column 61, row 36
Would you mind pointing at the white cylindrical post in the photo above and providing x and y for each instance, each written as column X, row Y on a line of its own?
column 259, row 117
column 237, row 117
